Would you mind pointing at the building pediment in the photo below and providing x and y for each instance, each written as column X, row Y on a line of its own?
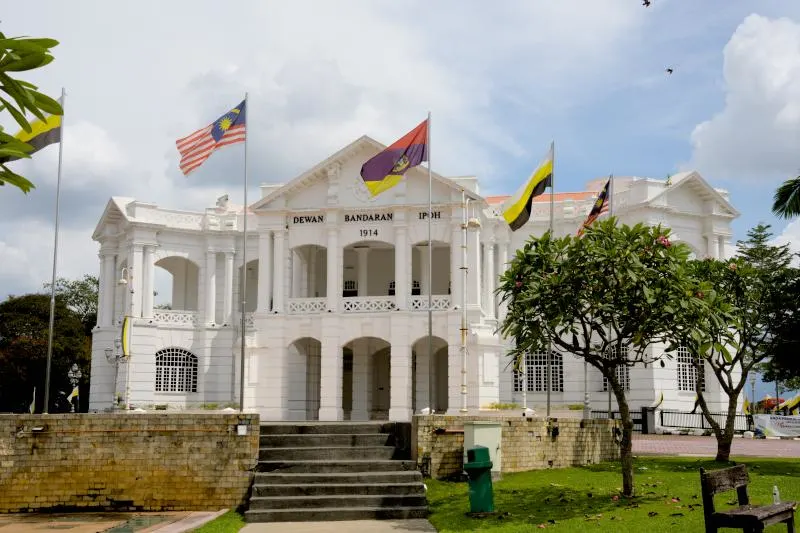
column 114, row 217
column 688, row 192
column 336, row 183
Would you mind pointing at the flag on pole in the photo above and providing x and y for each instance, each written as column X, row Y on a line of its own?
column 32, row 407
column 228, row 129
column 387, row 169
column 517, row 209
column 73, row 394
column 600, row 206
column 43, row 133
column 126, row 326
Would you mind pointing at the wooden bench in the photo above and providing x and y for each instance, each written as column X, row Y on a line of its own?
column 746, row 516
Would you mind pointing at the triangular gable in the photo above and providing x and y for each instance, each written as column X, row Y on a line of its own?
column 114, row 212
column 694, row 181
column 318, row 171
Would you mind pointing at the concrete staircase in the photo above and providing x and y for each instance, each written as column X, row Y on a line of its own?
column 335, row 471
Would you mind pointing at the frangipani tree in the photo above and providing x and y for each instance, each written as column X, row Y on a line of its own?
column 605, row 297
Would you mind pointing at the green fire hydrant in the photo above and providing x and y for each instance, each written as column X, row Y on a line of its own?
column 479, row 470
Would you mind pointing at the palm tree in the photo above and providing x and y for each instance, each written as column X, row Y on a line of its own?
column 787, row 199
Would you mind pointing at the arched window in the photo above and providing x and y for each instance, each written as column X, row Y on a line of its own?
column 176, row 370
column 687, row 371
column 622, row 372
column 536, row 373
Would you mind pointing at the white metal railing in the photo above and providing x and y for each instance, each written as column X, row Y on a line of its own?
column 438, row 303
column 368, row 304
column 307, row 306
column 175, row 317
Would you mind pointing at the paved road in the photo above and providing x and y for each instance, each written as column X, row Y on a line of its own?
column 166, row 522
column 707, row 446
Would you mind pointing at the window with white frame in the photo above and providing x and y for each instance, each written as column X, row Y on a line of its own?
column 687, row 371
column 536, row 373
column 176, row 370
column 622, row 372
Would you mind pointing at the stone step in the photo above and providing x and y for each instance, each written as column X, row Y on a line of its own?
column 281, row 478
column 334, row 466
column 330, row 453
column 333, row 514
column 326, row 428
column 342, row 501
column 331, row 489
column 326, row 439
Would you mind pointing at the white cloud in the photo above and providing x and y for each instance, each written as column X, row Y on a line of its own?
column 757, row 134
column 791, row 236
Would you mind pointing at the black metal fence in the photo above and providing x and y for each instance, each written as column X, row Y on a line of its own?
column 636, row 415
column 688, row 420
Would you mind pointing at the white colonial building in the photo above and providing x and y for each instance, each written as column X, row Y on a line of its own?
column 337, row 296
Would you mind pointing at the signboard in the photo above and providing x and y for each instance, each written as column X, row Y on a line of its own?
column 778, row 426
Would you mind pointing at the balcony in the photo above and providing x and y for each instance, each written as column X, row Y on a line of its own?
column 307, row 306
column 438, row 303
column 368, row 304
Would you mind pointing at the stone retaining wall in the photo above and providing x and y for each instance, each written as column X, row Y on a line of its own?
column 126, row 461
column 525, row 444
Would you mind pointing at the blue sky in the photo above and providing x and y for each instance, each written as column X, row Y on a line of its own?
column 501, row 79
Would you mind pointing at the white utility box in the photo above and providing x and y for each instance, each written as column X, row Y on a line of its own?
column 485, row 433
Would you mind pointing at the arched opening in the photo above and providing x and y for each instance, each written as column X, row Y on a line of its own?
column 251, row 300
column 429, row 374
column 366, row 373
column 309, row 271
column 304, row 378
column 368, row 277
column 175, row 290
column 439, row 285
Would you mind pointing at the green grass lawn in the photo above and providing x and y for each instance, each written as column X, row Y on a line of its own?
column 583, row 499
column 230, row 522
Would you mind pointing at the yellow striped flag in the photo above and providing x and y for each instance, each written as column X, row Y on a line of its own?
column 517, row 209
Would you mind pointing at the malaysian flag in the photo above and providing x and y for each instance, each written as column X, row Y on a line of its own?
column 600, row 206
column 230, row 128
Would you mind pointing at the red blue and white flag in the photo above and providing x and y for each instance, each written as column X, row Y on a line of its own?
column 230, row 128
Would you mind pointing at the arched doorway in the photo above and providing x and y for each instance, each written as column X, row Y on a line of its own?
column 430, row 374
column 304, row 379
column 366, row 390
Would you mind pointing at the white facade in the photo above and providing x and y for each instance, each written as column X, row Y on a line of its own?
column 337, row 296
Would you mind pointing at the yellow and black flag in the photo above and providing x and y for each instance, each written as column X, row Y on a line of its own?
column 43, row 133
column 517, row 209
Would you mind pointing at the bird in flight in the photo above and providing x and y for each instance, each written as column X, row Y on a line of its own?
column 669, row 70
column 646, row 3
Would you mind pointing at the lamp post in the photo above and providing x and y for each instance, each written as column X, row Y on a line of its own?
column 114, row 356
column 126, row 279
column 74, row 376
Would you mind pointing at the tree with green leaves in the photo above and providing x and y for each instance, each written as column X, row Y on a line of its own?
column 786, row 203
column 81, row 296
column 24, row 323
column 18, row 54
column 758, row 305
column 605, row 297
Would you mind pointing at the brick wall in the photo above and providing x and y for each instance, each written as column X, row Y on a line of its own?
column 525, row 443
column 136, row 461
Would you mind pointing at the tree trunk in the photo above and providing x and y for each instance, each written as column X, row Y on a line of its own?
column 725, row 440
column 626, row 446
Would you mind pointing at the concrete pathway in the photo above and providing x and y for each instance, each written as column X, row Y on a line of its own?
column 350, row 526
column 707, row 446
column 167, row 522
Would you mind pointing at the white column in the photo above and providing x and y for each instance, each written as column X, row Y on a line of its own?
column 400, row 378
column 422, row 376
column 211, row 286
column 227, row 296
column 312, row 273
column 148, row 282
column 363, row 269
column 108, row 284
column 297, row 273
column 502, row 249
column 264, row 272
column 489, row 279
column 334, row 294
column 279, row 262
column 134, row 307
column 425, row 281
column 330, row 404
column 720, row 247
column 402, row 265
column 455, row 266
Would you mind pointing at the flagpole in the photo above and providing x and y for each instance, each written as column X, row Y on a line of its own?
column 244, row 257
column 552, row 207
column 55, row 263
column 430, row 264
